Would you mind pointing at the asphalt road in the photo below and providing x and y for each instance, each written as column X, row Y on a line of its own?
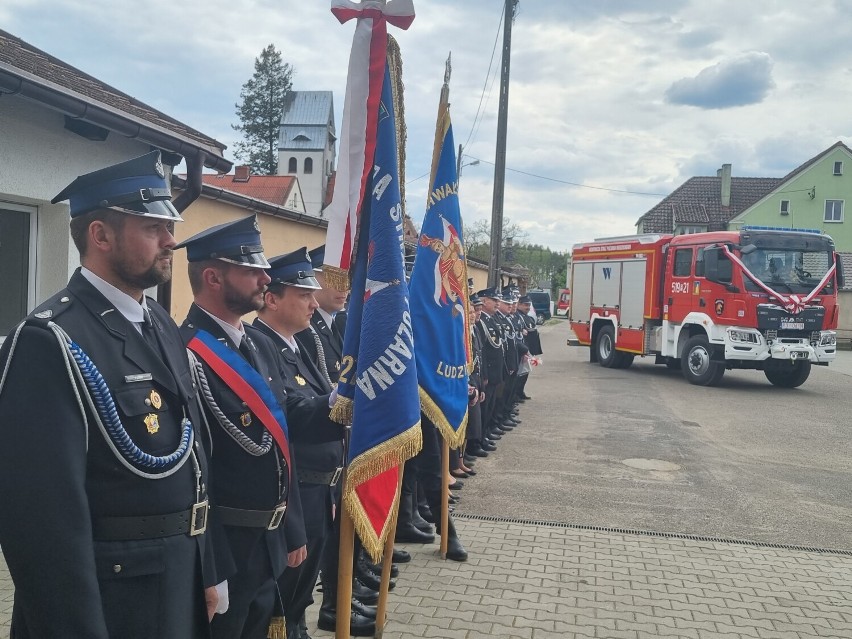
column 643, row 449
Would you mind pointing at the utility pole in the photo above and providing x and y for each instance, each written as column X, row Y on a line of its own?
column 500, row 160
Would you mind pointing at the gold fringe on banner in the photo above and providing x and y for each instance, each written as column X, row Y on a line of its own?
column 454, row 438
column 336, row 277
column 394, row 57
column 389, row 454
column 277, row 629
column 341, row 412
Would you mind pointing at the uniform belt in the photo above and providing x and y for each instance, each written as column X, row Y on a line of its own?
column 313, row 477
column 187, row 522
column 269, row 519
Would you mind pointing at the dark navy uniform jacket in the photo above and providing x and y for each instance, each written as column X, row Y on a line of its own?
column 58, row 475
column 508, row 332
column 317, row 440
column 239, row 479
column 493, row 345
column 332, row 343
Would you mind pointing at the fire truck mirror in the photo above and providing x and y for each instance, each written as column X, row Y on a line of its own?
column 841, row 276
column 748, row 248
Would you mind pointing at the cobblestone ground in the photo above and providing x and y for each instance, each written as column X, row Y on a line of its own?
column 536, row 581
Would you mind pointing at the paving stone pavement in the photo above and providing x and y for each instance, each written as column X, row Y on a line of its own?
column 541, row 581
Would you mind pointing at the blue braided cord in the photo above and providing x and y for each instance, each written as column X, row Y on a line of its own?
column 106, row 409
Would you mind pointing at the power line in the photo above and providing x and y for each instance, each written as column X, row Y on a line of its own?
column 584, row 186
column 487, row 75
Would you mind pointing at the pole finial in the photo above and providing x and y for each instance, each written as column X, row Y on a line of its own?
column 448, row 69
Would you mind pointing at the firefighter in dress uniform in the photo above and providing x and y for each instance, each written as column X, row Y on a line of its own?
column 532, row 340
column 494, row 366
column 102, row 469
column 244, row 401
column 289, row 304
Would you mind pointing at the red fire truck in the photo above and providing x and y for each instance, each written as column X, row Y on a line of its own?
column 759, row 298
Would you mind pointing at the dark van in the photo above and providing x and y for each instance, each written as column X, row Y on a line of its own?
column 541, row 303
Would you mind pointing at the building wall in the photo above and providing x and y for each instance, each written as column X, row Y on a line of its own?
column 479, row 274
column 312, row 184
column 807, row 212
column 278, row 236
column 38, row 158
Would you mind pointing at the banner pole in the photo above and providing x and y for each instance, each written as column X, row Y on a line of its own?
column 445, row 496
column 387, row 563
column 345, row 556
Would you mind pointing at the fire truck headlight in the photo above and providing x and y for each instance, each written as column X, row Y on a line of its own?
column 749, row 337
column 828, row 338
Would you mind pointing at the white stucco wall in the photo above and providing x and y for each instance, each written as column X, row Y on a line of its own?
column 38, row 158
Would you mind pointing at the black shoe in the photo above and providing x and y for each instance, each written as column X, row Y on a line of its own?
column 469, row 459
column 457, row 486
column 455, row 550
column 452, row 499
column 377, row 568
column 372, row 580
column 359, row 625
column 362, row 593
column 363, row 609
column 525, row 397
column 479, row 453
column 488, row 446
column 410, row 534
column 401, row 556
column 495, row 435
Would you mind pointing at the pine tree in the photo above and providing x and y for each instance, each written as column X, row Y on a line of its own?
column 260, row 109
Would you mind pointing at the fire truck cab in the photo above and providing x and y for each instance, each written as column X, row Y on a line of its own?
column 758, row 298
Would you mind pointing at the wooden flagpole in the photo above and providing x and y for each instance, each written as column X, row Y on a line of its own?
column 387, row 563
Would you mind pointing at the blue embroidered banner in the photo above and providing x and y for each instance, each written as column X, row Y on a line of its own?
column 439, row 305
column 378, row 377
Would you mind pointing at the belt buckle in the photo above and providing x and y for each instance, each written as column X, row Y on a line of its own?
column 277, row 517
column 336, row 477
column 198, row 518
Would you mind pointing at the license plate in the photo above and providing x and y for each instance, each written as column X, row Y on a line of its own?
column 796, row 326
column 799, row 355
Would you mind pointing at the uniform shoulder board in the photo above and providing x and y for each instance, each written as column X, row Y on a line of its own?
column 53, row 307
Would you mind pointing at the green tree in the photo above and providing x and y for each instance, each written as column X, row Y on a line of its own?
column 260, row 109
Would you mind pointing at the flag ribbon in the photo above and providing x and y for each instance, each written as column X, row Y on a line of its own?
column 793, row 303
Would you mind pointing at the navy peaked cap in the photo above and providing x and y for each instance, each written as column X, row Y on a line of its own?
column 524, row 299
column 490, row 293
column 293, row 269
column 475, row 300
column 137, row 186
column 237, row 242
column 317, row 257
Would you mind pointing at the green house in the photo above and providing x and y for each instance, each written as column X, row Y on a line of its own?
column 815, row 195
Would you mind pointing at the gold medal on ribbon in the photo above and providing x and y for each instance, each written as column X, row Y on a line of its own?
column 300, row 380
column 156, row 400
column 245, row 419
column 152, row 422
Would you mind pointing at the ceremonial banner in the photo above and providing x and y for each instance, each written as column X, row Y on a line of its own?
column 378, row 377
column 439, row 305
column 357, row 137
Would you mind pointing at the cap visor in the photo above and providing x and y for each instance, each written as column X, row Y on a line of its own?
column 160, row 209
column 254, row 260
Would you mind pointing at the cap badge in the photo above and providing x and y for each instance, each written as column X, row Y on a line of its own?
column 245, row 419
column 256, row 226
column 156, row 400
column 300, row 380
column 158, row 168
column 152, row 422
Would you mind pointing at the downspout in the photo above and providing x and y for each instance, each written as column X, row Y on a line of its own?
column 194, row 169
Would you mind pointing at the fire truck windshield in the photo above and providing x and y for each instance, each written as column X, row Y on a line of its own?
column 786, row 270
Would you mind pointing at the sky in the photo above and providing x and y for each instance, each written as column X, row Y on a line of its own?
column 612, row 104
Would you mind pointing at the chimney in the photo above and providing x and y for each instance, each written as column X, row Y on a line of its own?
column 725, row 174
column 242, row 173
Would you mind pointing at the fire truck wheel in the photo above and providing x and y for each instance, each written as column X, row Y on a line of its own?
column 625, row 360
column 697, row 363
column 788, row 375
column 608, row 357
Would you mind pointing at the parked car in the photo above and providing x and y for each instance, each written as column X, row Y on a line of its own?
column 542, row 304
column 564, row 302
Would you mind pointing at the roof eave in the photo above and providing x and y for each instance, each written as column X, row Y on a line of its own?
column 16, row 82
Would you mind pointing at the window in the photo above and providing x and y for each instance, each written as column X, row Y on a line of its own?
column 785, row 207
column 309, row 165
column 838, row 168
column 292, row 165
column 16, row 237
column 833, row 210
column 682, row 262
